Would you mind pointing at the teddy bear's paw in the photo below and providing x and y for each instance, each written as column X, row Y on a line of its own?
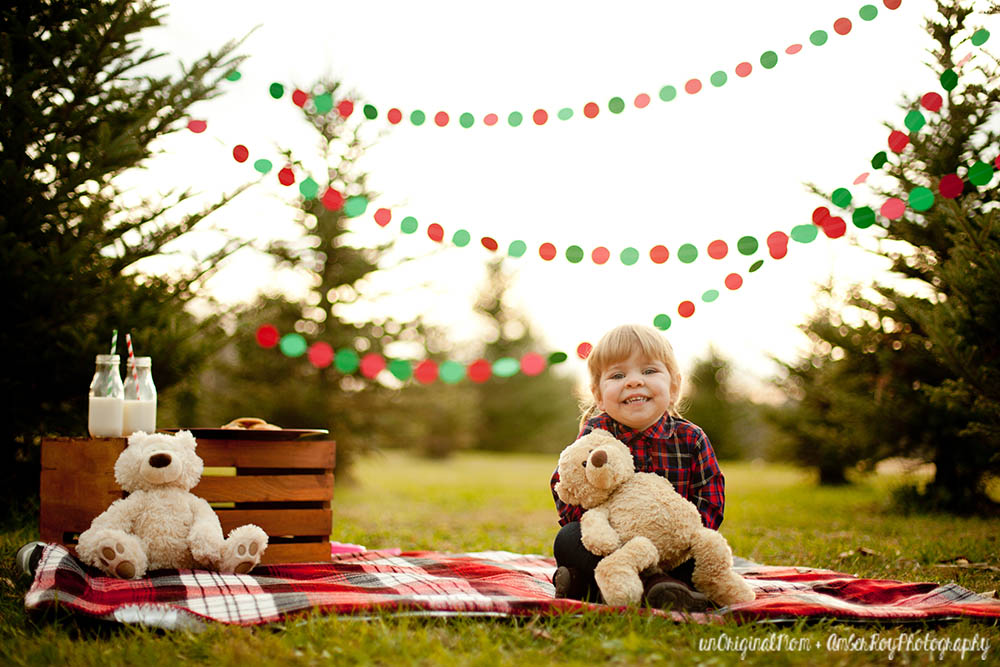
column 120, row 558
column 243, row 549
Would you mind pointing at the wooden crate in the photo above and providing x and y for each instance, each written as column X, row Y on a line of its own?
column 285, row 487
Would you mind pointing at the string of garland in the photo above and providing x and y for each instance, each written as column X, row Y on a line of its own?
column 324, row 103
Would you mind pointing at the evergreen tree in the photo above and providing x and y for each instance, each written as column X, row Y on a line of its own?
column 76, row 111
column 912, row 367
column 710, row 402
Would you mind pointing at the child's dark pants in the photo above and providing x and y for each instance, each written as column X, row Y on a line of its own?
column 569, row 552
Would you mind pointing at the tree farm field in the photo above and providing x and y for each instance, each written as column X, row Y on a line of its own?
column 775, row 514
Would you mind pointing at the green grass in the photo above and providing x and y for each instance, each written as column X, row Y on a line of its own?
column 477, row 502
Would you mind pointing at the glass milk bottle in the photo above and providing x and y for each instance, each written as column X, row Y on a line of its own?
column 105, row 414
column 140, row 397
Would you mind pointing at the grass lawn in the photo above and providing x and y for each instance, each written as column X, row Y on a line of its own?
column 774, row 515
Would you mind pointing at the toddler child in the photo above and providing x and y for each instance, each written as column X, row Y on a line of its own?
column 635, row 383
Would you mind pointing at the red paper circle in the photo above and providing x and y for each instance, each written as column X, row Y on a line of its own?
column 734, row 281
column 394, row 116
column 842, row 26
column 332, row 199
column 240, row 153
column 583, row 350
column 267, row 335
column 744, row 69
column 540, row 116
column 685, row 309
column 820, row 215
column 532, row 364
column 892, row 4
column 372, row 364
column 286, row 176
column 931, row 101
column 951, row 186
column 479, row 371
column 299, row 97
column 547, row 251
column 490, row 119
column 898, row 141
column 426, row 371
column 718, row 249
column 590, row 109
column 600, row 255
column 435, row 232
column 489, row 244
column 197, row 126
column 793, row 49
column 659, row 254
column 383, row 216
column 777, row 244
column 893, row 208
column 320, row 354
column 641, row 101
column 835, row 227
column 692, row 86
column 441, row 119
column 345, row 108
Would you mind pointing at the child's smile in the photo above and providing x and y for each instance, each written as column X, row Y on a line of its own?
column 635, row 391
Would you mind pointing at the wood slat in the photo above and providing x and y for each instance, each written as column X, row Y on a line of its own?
column 264, row 454
column 279, row 521
column 88, row 456
column 297, row 553
column 265, row 488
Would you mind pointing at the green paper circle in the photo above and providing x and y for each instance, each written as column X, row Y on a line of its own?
column 818, row 38
column 756, row 265
column 980, row 36
column 863, row 217
column 914, row 121
column 346, row 360
column 980, row 173
column 710, row 295
column 371, row 113
column 309, row 188
column 747, row 245
column 408, row 225
column 662, row 321
column 466, row 120
column 418, row 117
column 804, row 233
column 293, row 345
column 574, row 254
column 401, row 369
column 841, row 197
column 557, row 358
column 668, row 93
column 616, row 105
column 461, row 238
column 718, row 78
column 451, row 372
column 355, row 206
column 276, row 90
column 506, row 367
column 262, row 165
column 687, row 253
column 949, row 79
column 629, row 256
column 768, row 59
column 517, row 248
column 515, row 118
column 323, row 102
column 565, row 113
column 868, row 12
column 921, row 198
column 879, row 160
column 235, row 76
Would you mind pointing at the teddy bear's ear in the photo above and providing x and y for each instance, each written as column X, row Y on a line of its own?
column 186, row 438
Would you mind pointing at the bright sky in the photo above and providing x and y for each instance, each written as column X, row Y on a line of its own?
column 726, row 162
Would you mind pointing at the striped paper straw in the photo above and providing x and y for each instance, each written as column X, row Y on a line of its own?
column 114, row 348
column 131, row 361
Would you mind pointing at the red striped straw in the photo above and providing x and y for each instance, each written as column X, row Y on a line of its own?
column 131, row 361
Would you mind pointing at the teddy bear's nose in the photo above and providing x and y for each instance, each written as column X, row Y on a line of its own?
column 599, row 458
column 159, row 460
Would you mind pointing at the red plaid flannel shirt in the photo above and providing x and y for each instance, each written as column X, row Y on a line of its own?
column 673, row 448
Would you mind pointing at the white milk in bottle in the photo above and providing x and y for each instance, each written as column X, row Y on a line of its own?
column 140, row 397
column 106, row 409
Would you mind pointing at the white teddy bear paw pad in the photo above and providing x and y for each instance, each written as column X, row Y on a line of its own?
column 117, row 560
column 243, row 549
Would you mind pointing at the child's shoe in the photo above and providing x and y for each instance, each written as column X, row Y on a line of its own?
column 563, row 581
column 665, row 592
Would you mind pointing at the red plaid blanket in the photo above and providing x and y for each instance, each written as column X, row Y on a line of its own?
column 492, row 583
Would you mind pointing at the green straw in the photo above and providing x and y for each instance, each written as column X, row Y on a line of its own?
column 114, row 346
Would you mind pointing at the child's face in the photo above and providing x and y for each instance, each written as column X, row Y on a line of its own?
column 634, row 392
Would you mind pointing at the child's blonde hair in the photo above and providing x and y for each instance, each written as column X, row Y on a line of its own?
column 618, row 345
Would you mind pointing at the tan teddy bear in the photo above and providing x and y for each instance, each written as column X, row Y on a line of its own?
column 160, row 524
column 638, row 521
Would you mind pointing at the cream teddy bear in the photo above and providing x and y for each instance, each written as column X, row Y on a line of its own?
column 638, row 521
column 160, row 524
